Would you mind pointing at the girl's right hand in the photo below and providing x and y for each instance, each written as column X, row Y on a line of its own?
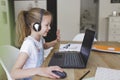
column 47, row 71
column 58, row 34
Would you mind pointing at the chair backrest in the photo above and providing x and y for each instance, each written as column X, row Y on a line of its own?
column 4, row 74
column 8, row 54
column 80, row 36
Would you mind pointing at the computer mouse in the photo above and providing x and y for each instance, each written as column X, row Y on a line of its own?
column 61, row 74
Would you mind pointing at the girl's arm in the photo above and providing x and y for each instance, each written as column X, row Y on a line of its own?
column 18, row 73
column 52, row 43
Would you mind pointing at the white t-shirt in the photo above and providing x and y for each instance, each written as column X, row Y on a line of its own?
column 34, row 50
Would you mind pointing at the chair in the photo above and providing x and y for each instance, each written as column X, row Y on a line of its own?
column 8, row 55
column 4, row 74
column 80, row 36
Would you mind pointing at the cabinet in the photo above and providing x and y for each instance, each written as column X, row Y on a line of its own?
column 114, row 29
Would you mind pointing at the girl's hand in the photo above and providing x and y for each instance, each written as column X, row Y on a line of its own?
column 58, row 34
column 47, row 72
column 53, row 43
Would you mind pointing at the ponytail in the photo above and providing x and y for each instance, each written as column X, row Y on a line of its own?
column 22, row 29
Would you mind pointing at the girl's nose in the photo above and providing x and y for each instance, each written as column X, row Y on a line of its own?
column 49, row 27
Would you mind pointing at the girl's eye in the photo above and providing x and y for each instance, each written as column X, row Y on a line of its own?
column 47, row 25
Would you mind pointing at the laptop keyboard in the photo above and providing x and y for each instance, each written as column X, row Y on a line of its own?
column 72, row 59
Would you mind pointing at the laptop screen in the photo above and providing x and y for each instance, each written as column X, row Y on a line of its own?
column 87, row 44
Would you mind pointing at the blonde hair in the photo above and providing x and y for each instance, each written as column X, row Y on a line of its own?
column 24, row 21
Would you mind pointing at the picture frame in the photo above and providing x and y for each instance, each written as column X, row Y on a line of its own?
column 115, row 1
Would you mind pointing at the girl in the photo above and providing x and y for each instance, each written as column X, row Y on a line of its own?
column 31, row 26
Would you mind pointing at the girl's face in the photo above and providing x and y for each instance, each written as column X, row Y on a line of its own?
column 45, row 25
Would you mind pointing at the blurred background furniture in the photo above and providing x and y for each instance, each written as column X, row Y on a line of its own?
column 114, row 28
column 80, row 36
column 8, row 55
column 4, row 74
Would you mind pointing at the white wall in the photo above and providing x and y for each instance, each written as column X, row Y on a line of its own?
column 105, row 10
column 68, row 12
column 25, row 5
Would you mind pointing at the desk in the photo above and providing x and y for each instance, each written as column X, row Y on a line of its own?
column 96, row 59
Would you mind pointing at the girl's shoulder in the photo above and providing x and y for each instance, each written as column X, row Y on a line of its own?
column 28, row 41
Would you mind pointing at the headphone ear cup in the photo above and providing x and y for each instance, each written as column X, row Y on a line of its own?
column 37, row 26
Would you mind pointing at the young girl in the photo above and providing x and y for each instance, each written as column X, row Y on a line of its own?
column 31, row 26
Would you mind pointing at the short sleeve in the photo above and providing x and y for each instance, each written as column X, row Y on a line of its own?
column 26, row 47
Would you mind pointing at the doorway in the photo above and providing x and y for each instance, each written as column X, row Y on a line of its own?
column 52, row 7
column 89, row 15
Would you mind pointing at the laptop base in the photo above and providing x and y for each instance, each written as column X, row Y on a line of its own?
column 70, row 59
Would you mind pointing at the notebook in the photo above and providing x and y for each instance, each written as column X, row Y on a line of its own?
column 107, row 74
column 105, row 48
column 74, row 59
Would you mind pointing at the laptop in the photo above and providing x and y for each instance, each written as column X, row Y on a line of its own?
column 74, row 59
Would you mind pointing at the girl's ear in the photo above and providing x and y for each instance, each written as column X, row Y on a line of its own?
column 36, row 26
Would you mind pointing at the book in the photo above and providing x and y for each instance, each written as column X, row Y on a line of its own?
column 106, row 48
column 107, row 74
column 70, row 47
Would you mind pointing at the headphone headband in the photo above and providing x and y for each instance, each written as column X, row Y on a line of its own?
column 41, row 14
column 37, row 26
